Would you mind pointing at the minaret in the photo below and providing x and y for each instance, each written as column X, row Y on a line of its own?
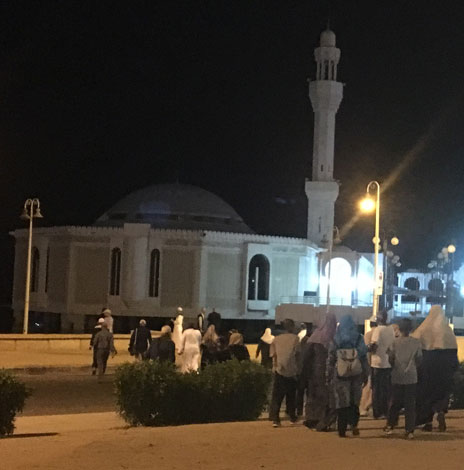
column 326, row 95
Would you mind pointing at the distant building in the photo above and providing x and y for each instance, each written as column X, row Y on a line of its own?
column 177, row 245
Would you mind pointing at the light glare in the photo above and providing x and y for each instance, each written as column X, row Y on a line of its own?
column 367, row 204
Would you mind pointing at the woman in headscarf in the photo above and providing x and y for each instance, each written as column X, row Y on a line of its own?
column 319, row 412
column 440, row 361
column 263, row 348
column 163, row 348
column 237, row 349
column 209, row 347
column 190, row 349
column 347, row 370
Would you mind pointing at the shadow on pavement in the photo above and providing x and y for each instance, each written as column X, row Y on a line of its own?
column 31, row 434
column 423, row 437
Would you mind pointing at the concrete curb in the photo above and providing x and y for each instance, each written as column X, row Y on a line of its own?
column 42, row 370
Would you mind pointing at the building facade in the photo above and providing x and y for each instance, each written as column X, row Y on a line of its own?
column 167, row 246
column 137, row 269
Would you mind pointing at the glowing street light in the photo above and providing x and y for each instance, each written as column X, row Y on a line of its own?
column 31, row 210
column 451, row 249
column 368, row 204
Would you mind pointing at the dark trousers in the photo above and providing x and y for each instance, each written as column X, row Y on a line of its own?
column 381, row 391
column 94, row 361
column 283, row 387
column 301, row 392
column 403, row 396
column 347, row 416
column 102, row 359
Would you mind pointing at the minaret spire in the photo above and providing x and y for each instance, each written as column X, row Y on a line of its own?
column 326, row 94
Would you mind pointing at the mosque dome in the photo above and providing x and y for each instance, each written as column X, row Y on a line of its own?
column 328, row 38
column 175, row 206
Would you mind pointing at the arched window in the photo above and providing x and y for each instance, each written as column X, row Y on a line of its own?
column 153, row 288
column 436, row 286
column 412, row 283
column 35, row 270
column 258, row 278
column 115, row 271
column 47, row 263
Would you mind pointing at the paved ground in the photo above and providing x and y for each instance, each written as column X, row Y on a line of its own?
column 63, row 393
column 48, row 437
column 101, row 440
column 37, row 360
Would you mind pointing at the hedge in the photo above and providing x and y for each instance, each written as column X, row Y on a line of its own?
column 153, row 393
column 13, row 394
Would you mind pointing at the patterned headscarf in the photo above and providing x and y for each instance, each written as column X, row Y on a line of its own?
column 166, row 331
column 210, row 336
column 324, row 334
column 235, row 338
column 347, row 336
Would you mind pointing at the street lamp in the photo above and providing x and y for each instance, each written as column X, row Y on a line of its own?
column 368, row 204
column 389, row 259
column 450, row 250
column 31, row 210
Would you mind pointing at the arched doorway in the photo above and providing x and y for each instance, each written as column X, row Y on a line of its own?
column 341, row 283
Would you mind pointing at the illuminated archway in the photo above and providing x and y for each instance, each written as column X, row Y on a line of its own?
column 341, row 284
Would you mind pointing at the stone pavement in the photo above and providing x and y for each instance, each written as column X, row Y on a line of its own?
column 103, row 441
column 39, row 362
column 63, row 361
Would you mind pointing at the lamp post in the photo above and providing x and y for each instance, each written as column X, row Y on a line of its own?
column 337, row 240
column 368, row 204
column 389, row 259
column 31, row 210
column 450, row 250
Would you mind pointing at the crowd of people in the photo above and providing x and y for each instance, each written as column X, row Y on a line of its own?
column 330, row 375
column 335, row 369
column 190, row 348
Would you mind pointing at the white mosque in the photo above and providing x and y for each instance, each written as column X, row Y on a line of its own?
column 173, row 245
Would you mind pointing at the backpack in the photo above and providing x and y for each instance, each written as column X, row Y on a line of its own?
column 348, row 363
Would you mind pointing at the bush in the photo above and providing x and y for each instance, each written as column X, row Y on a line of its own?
column 154, row 394
column 13, row 395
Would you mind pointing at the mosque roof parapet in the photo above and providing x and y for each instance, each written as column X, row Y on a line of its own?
column 204, row 235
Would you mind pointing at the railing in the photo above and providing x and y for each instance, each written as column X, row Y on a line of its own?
column 407, row 309
column 322, row 300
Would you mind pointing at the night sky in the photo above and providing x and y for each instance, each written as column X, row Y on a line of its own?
column 98, row 99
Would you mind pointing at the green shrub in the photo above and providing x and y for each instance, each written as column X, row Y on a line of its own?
column 237, row 391
column 457, row 395
column 154, row 394
column 13, row 394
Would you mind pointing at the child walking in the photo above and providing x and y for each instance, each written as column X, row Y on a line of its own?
column 405, row 356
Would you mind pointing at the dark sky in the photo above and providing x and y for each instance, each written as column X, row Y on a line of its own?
column 101, row 98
